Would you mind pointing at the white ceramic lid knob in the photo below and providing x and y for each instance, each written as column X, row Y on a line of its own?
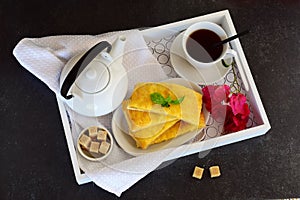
column 91, row 74
column 94, row 79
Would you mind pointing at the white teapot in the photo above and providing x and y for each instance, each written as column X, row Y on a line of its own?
column 95, row 83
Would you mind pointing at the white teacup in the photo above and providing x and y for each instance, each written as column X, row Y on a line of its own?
column 226, row 52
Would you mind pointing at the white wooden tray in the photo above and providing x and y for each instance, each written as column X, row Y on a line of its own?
column 162, row 36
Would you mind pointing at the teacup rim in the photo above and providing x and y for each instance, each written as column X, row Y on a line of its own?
column 188, row 32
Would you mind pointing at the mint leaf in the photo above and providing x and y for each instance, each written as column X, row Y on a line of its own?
column 177, row 101
column 165, row 104
column 157, row 98
column 168, row 99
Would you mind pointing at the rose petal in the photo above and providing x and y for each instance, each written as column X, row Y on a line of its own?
column 213, row 95
column 233, row 111
column 222, row 93
column 208, row 92
column 219, row 112
column 237, row 102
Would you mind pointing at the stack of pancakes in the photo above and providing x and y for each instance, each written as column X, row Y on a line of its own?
column 151, row 123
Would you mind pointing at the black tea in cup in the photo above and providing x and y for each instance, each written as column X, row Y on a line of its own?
column 200, row 46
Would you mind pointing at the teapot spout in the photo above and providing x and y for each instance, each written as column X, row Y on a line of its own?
column 118, row 48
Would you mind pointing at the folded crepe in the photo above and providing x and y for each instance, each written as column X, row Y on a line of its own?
column 186, row 110
column 141, row 120
column 179, row 128
column 151, row 123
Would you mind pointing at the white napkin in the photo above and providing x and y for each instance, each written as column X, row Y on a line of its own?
column 45, row 58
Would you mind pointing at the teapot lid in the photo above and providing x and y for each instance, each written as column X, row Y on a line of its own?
column 94, row 78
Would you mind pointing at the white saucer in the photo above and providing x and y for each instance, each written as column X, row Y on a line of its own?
column 120, row 129
column 184, row 69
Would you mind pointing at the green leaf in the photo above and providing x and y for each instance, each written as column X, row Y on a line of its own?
column 165, row 104
column 157, row 98
column 168, row 99
column 177, row 101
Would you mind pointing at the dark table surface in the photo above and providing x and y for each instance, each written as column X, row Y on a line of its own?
column 35, row 162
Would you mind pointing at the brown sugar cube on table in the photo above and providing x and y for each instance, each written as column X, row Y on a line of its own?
column 104, row 147
column 93, row 132
column 94, row 148
column 102, row 135
column 214, row 171
column 198, row 172
column 85, row 141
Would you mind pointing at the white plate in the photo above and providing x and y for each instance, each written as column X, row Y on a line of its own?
column 120, row 129
column 184, row 69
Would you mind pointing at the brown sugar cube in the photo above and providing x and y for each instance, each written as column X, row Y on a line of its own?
column 85, row 141
column 94, row 148
column 214, row 171
column 93, row 132
column 102, row 135
column 198, row 172
column 104, row 147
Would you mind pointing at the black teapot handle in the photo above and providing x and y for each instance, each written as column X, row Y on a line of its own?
column 81, row 65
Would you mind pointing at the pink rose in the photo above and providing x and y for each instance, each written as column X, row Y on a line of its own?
column 215, row 95
column 232, row 110
column 237, row 103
